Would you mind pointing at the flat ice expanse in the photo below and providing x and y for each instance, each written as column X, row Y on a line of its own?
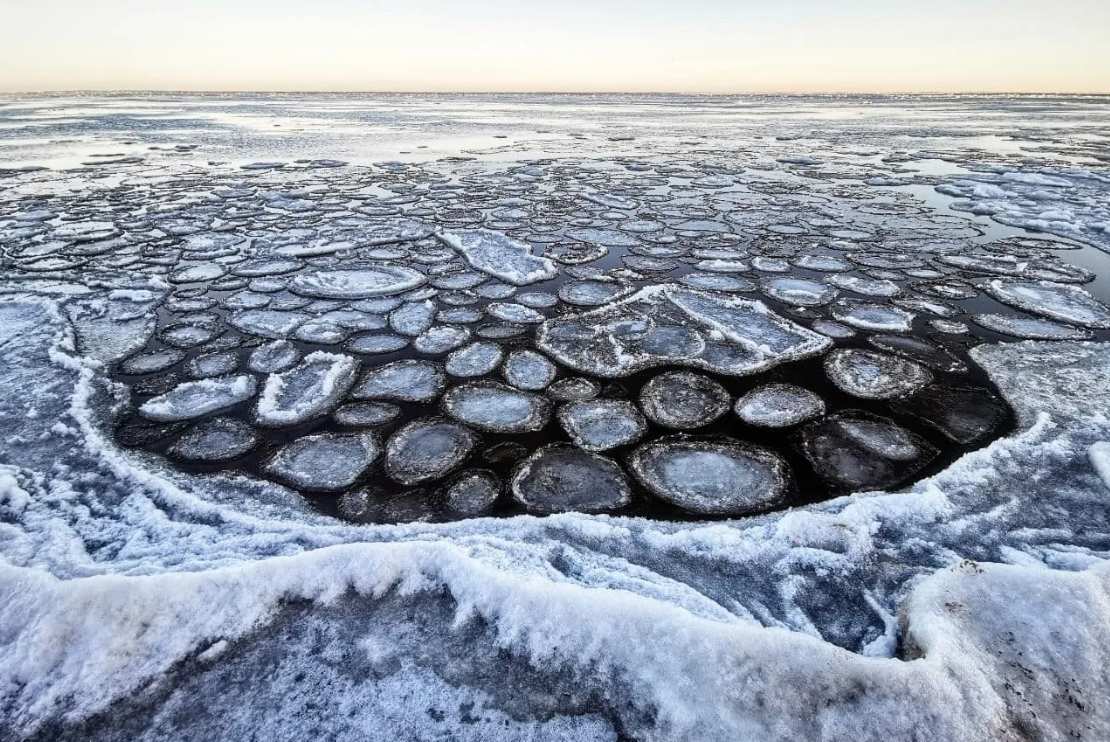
column 140, row 601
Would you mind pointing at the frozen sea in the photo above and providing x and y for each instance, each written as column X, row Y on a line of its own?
column 554, row 417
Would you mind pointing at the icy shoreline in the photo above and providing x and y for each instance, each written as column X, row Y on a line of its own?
column 134, row 597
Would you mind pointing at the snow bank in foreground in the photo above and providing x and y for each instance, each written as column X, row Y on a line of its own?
column 139, row 603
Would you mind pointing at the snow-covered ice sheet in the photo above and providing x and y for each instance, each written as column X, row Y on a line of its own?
column 142, row 603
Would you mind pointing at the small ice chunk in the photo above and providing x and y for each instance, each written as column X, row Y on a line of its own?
column 375, row 344
column 601, row 424
column 476, row 359
column 440, row 339
column 194, row 399
column 406, row 381
column 510, row 312
column 215, row 440
column 267, row 323
column 499, row 256
column 361, row 283
column 857, row 451
column 309, row 390
column 681, row 399
column 325, row 463
column 493, row 406
column 413, row 318
column 152, row 362
column 1030, row 328
column 358, row 414
column 212, row 364
column 1059, row 301
column 473, row 492
column 711, row 476
column 778, row 406
column 427, row 449
column 274, row 357
column 560, row 477
column 870, row 375
column 875, row 317
column 573, row 389
column 801, row 292
column 527, row 369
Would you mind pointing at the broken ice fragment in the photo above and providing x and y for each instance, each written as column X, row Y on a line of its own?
column 499, row 256
column 361, row 283
column 681, row 399
column 326, row 462
column 738, row 336
column 309, row 390
column 198, row 398
column 560, row 477
column 855, row 450
column 427, row 449
column 711, row 476
column 601, row 424
column 870, row 375
column 215, row 440
column 1064, row 302
column 493, row 406
column 778, row 406
column 407, row 381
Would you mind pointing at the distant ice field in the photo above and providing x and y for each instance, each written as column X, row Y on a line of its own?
column 554, row 417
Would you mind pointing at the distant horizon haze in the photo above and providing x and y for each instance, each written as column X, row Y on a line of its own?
column 721, row 47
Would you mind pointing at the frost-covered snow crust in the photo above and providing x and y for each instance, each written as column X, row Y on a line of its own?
column 142, row 602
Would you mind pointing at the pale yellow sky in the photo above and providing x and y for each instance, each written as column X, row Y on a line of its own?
column 574, row 45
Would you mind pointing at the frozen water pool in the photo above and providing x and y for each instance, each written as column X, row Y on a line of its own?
column 695, row 319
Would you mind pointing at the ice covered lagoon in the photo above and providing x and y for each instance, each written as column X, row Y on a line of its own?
column 680, row 310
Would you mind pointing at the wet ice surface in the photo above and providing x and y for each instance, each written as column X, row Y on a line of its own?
column 635, row 311
column 674, row 282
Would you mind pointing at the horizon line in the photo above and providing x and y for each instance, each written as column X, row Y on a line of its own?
column 857, row 93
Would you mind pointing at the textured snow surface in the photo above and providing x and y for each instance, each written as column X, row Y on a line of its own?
column 141, row 603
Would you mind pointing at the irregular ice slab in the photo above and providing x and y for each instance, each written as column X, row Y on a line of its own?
column 413, row 318
column 427, row 449
column 367, row 413
column 476, row 359
column 360, row 283
column 275, row 357
column 877, row 317
column 152, row 362
column 267, row 323
column 473, row 492
column 325, row 463
column 527, row 369
column 310, row 389
column 510, row 312
column 801, row 292
column 198, row 398
column 440, row 339
column 725, row 334
column 218, row 439
column 962, row 414
column 681, row 399
column 493, row 406
column 1058, row 301
column 870, row 375
column 711, row 476
column 499, row 256
column 560, row 478
column 856, row 451
column 601, row 424
column 1030, row 328
column 778, row 406
column 407, row 381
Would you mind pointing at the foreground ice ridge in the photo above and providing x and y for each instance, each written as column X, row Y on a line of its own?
column 989, row 580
